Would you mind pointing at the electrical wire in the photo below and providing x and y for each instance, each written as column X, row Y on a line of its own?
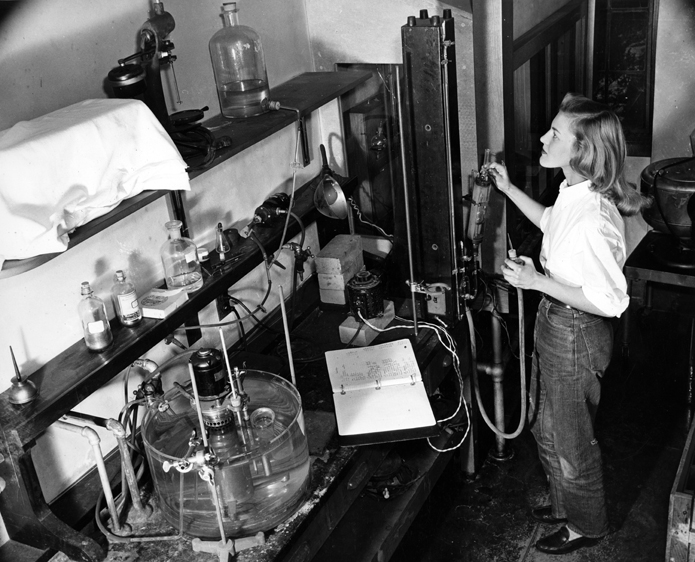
column 365, row 221
column 450, row 346
column 295, row 166
column 354, row 337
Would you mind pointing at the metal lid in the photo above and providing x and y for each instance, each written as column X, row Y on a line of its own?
column 126, row 74
column 207, row 359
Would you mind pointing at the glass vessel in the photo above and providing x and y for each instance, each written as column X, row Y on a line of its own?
column 180, row 260
column 95, row 322
column 262, row 473
column 125, row 300
column 239, row 67
column 222, row 244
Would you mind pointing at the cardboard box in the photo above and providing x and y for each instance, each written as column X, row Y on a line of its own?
column 160, row 303
column 680, row 537
column 341, row 256
column 333, row 296
column 334, row 281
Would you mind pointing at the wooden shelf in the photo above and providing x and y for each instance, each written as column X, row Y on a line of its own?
column 74, row 374
column 303, row 94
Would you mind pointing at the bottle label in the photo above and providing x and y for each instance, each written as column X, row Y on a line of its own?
column 128, row 304
column 96, row 327
column 190, row 255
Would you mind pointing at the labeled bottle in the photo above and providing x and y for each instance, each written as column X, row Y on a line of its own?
column 95, row 322
column 125, row 300
column 222, row 244
column 239, row 67
column 180, row 260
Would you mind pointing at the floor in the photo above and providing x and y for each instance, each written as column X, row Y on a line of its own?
column 642, row 426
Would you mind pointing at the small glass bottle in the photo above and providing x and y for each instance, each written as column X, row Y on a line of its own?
column 95, row 322
column 222, row 244
column 180, row 260
column 125, row 300
column 239, row 67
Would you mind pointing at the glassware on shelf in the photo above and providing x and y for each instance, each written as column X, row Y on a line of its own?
column 222, row 244
column 95, row 322
column 239, row 67
column 180, row 260
column 125, row 300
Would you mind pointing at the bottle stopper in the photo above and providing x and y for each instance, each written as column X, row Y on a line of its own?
column 22, row 390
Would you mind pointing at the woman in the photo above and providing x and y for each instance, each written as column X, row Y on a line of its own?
column 583, row 287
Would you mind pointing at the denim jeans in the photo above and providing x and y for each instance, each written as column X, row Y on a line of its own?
column 571, row 352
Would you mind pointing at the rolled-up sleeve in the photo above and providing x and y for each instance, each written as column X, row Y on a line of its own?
column 603, row 258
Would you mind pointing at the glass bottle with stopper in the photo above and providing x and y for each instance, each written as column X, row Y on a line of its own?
column 239, row 67
column 180, row 260
column 125, row 300
column 95, row 322
column 222, row 244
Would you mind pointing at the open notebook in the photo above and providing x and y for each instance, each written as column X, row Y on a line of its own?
column 379, row 394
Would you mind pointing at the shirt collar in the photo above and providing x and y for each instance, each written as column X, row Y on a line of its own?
column 570, row 193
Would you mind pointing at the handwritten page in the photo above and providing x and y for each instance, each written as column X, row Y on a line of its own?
column 370, row 367
column 378, row 389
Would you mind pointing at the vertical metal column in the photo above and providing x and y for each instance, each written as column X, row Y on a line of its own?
column 431, row 152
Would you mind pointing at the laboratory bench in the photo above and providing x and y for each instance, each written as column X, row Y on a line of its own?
column 339, row 507
column 339, row 473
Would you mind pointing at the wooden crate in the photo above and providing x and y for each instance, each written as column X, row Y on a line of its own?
column 680, row 539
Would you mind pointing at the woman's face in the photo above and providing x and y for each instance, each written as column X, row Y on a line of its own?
column 558, row 144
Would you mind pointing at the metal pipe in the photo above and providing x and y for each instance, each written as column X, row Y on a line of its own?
column 450, row 176
column 119, row 433
column 288, row 343
column 498, row 384
column 93, row 438
column 198, row 409
column 407, row 203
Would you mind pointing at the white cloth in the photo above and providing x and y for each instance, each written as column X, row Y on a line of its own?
column 584, row 246
column 65, row 168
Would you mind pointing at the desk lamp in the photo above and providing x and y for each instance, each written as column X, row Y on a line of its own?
column 329, row 197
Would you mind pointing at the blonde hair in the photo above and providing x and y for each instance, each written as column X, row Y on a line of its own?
column 600, row 151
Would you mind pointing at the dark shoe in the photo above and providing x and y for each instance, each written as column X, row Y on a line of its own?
column 545, row 515
column 559, row 542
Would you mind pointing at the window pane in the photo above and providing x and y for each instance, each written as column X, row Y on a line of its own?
column 628, row 37
column 618, row 4
column 626, row 94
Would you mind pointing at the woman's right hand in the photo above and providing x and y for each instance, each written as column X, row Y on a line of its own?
column 500, row 176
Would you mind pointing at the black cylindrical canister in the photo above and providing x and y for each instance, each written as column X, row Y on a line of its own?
column 209, row 374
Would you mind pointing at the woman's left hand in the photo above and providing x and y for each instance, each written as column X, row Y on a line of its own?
column 521, row 275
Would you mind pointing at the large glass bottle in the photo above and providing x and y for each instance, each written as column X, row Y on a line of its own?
column 95, row 322
column 125, row 300
column 180, row 260
column 239, row 66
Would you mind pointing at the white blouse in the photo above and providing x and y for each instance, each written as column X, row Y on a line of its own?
column 584, row 246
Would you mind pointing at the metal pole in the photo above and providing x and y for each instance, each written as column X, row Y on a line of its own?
column 407, row 203
column 450, row 176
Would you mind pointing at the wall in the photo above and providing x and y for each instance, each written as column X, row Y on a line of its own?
column 370, row 32
column 529, row 13
column 674, row 104
column 56, row 52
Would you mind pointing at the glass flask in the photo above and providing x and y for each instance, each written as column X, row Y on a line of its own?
column 262, row 474
column 180, row 260
column 95, row 322
column 239, row 67
column 125, row 300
